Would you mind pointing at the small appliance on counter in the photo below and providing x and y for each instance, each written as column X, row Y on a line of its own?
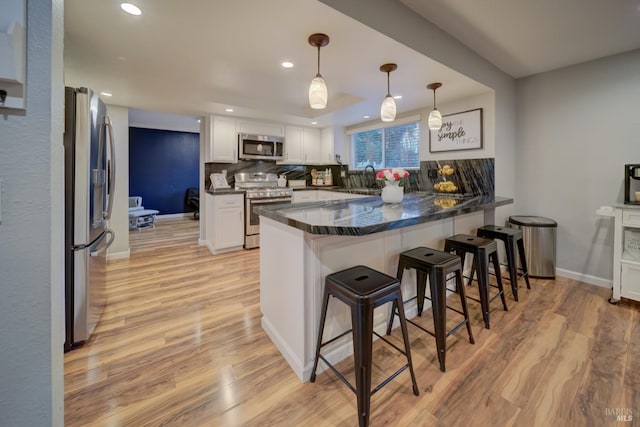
column 632, row 184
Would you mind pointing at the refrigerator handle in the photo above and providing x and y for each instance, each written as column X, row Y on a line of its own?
column 112, row 174
column 112, row 237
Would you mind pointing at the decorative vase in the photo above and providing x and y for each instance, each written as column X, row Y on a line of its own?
column 392, row 192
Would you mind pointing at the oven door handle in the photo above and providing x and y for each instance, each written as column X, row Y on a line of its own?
column 267, row 201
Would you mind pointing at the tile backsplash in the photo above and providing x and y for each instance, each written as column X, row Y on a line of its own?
column 471, row 176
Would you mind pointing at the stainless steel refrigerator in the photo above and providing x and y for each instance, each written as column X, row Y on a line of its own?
column 89, row 184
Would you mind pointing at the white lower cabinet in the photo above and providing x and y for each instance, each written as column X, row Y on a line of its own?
column 630, row 279
column 304, row 196
column 328, row 195
column 225, row 222
column 626, row 256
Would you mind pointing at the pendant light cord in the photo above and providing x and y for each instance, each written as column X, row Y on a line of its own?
column 388, row 89
column 318, row 75
column 434, row 99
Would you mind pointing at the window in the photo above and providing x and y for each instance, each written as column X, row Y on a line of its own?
column 396, row 146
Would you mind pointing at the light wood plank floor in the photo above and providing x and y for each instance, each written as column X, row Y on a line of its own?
column 180, row 344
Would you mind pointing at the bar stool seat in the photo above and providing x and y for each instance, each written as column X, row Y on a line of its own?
column 512, row 239
column 363, row 289
column 483, row 251
column 435, row 265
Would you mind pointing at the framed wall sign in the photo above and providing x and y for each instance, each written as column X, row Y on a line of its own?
column 459, row 131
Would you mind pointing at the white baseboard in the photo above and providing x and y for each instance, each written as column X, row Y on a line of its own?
column 119, row 255
column 585, row 278
column 202, row 242
column 289, row 355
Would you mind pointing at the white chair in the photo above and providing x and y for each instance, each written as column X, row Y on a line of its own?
column 139, row 217
column 135, row 204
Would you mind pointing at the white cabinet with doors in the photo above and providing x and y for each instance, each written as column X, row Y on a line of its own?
column 626, row 253
column 293, row 148
column 225, row 222
column 304, row 196
column 260, row 128
column 222, row 134
column 331, row 143
column 311, row 146
column 302, row 145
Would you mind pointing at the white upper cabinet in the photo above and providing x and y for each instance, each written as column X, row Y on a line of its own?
column 302, row 145
column 223, row 139
column 331, row 143
column 311, row 146
column 259, row 128
column 293, row 149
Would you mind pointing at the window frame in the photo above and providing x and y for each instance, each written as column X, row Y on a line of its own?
column 353, row 131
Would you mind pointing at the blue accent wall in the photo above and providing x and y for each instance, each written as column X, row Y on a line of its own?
column 162, row 165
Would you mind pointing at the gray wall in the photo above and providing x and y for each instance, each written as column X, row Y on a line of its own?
column 31, row 233
column 397, row 21
column 577, row 127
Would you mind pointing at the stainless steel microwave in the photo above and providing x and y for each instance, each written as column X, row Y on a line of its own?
column 261, row 147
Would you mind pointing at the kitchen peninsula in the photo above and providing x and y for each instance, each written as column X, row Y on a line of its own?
column 302, row 243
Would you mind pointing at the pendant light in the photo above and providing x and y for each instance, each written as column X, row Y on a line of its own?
column 388, row 107
column 318, row 89
column 435, row 118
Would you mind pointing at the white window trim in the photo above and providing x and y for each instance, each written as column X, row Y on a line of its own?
column 398, row 122
column 381, row 125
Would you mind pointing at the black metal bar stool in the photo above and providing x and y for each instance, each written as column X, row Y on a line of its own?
column 512, row 239
column 363, row 289
column 436, row 265
column 483, row 251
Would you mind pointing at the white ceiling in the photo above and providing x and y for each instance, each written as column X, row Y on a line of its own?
column 202, row 56
column 525, row 37
column 197, row 57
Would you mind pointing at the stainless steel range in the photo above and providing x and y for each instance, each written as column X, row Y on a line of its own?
column 260, row 189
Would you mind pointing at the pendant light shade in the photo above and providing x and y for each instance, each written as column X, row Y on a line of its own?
column 388, row 107
column 435, row 118
column 318, row 94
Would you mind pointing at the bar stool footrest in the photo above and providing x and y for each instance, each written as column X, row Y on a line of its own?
column 338, row 374
column 449, row 332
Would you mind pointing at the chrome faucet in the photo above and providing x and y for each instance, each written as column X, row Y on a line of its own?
column 373, row 170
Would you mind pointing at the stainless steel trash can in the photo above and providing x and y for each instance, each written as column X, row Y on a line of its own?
column 539, row 236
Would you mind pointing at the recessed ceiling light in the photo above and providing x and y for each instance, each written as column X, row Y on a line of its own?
column 287, row 64
column 397, row 97
column 314, row 123
column 106, row 94
column 229, row 110
column 131, row 9
column 366, row 117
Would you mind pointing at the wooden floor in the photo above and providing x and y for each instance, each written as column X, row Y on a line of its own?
column 180, row 344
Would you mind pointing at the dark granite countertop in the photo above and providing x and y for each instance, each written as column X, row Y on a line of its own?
column 358, row 217
column 222, row 191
